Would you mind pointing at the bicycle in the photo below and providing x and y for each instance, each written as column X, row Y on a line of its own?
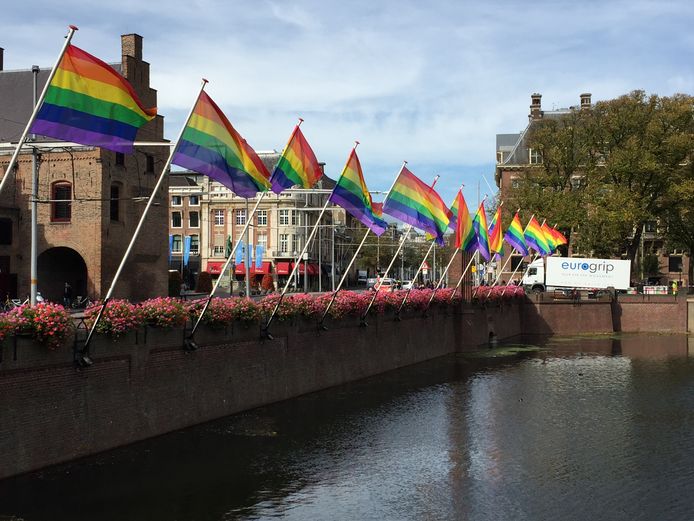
column 81, row 302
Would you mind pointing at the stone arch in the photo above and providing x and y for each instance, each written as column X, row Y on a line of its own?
column 59, row 265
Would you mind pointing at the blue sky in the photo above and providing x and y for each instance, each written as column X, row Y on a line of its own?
column 427, row 82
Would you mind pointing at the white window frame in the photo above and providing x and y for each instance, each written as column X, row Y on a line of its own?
column 190, row 200
column 283, row 217
column 190, row 220
column 176, row 197
column 261, row 239
column 195, row 251
column 240, row 216
column 284, row 242
column 219, row 217
column 261, row 217
column 218, row 251
column 180, row 244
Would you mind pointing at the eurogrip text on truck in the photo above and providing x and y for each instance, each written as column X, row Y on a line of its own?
column 574, row 272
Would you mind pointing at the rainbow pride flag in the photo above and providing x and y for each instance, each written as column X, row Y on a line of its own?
column 480, row 225
column 210, row 145
column 297, row 166
column 496, row 239
column 514, row 236
column 352, row 194
column 89, row 103
column 415, row 203
column 461, row 223
column 534, row 237
column 559, row 237
column 549, row 237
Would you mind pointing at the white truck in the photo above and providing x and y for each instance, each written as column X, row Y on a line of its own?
column 556, row 273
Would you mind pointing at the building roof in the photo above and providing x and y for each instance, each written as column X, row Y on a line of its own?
column 16, row 93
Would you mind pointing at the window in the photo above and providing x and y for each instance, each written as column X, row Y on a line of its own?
column 284, row 242
column 650, row 227
column 194, row 244
column 61, row 207
column 262, row 217
column 535, row 156
column 114, row 203
column 675, row 264
column 5, row 231
column 177, row 245
column 219, row 217
column 175, row 219
column 294, row 212
column 296, row 243
column 515, row 183
column 499, row 157
column 284, row 218
column 218, row 251
column 240, row 217
column 176, row 200
column 261, row 239
column 194, row 200
column 149, row 164
column 120, row 159
column 532, row 271
column 576, row 182
column 194, row 220
column 516, row 261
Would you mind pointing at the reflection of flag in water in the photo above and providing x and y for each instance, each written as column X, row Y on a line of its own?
column 259, row 252
column 186, row 249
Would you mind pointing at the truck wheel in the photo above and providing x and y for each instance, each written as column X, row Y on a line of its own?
column 537, row 289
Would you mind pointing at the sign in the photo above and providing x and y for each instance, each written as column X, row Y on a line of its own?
column 578, row 272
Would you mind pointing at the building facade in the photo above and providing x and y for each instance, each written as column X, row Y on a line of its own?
column 214, row 218
column 89, row 201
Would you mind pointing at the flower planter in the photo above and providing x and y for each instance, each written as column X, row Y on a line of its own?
column 102, row 346
column 154, row 337
column 209, row 335
column 32, row 353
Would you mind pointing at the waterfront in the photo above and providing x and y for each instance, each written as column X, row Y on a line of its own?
column 585, row 428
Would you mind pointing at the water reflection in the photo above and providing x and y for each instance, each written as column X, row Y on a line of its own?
column 586, row 428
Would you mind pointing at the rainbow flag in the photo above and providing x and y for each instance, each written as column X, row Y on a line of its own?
column 559, row 237
column 210, row 145
column 461, row 223
column 514, row 236
column 89, row 103
column 480, row 225
column 534, row 237
column 297, row 166
column 351, row 193
column 549, row 237
column 415, row 203
column 496, row 239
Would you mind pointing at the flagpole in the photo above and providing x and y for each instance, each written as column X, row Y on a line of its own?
column 190, row 345
column 342, row 279
column 37, row 106
column 421, row 266
column 505, row 263
column 460, row 280
column 531, row 261
column 150, row 201
column 392, row 261
column 438, row 284
column 266, row 327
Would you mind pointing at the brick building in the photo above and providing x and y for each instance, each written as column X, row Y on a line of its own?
column 515, row 157
column 90, row 201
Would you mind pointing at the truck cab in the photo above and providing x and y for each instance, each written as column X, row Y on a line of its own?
column 534, row 278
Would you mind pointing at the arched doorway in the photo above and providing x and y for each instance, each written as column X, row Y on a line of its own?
column 56, row 266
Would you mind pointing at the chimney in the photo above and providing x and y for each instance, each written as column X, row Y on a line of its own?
column 585, row 101
column 131, row 45
column 2, row 52
column 535, row 106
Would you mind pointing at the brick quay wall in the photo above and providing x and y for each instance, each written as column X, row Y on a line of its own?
column 145, row 384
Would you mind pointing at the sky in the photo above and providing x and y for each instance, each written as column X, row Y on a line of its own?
column 431, row 83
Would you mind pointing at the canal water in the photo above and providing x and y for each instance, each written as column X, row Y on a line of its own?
column 581, row 429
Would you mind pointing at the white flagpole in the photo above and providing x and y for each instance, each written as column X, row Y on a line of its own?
column 37, row 106
column 342, row 279
column 421, row 266
column 531, row 261
column 438, row 284
column 266, row 327
column 189, row 340
column 150, row 201
column 392, row 261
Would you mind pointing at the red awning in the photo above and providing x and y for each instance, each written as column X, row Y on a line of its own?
column 312, row 268
column 241, row 269
column 265, row 268
column 215, row 267
column 282, row 268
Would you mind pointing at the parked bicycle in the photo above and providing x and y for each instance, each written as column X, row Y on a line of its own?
column 81, row 302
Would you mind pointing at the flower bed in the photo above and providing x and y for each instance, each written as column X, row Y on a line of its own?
column 51, row 324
